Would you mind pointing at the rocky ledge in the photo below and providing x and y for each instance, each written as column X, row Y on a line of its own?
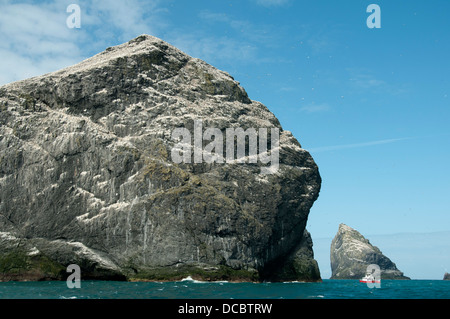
column 351, row 254
column 87, row 178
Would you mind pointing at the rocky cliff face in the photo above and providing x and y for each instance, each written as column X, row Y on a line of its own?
column 351, row 253
column 86, row 176
column 446, row 276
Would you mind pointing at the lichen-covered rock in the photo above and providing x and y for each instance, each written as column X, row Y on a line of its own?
column 86, row 174
column 351, row 254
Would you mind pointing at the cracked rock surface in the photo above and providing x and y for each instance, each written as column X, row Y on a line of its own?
column 86, row 176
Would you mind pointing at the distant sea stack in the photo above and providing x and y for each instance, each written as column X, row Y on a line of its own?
column 447, row 276
column 87, row 175
column 351, row 253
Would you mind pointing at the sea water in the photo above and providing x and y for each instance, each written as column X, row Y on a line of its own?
column 191, row 289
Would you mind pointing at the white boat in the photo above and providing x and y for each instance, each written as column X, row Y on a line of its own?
column 369, row 279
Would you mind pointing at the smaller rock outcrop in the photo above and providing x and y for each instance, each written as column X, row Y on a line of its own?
column 351, row 253
column 447, row 276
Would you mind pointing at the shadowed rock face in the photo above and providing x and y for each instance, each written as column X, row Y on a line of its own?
column 86, row 176
column 351, row 254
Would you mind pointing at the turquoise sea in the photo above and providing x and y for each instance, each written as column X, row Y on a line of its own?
column 190, row 289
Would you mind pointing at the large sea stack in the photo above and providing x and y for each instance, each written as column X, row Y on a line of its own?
column 87, row 178
column 351, row 254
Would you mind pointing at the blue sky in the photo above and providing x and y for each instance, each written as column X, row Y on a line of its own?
column 371, row 105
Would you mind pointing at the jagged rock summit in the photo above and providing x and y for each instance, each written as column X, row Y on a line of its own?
column 87, row 178
column 351, row 253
